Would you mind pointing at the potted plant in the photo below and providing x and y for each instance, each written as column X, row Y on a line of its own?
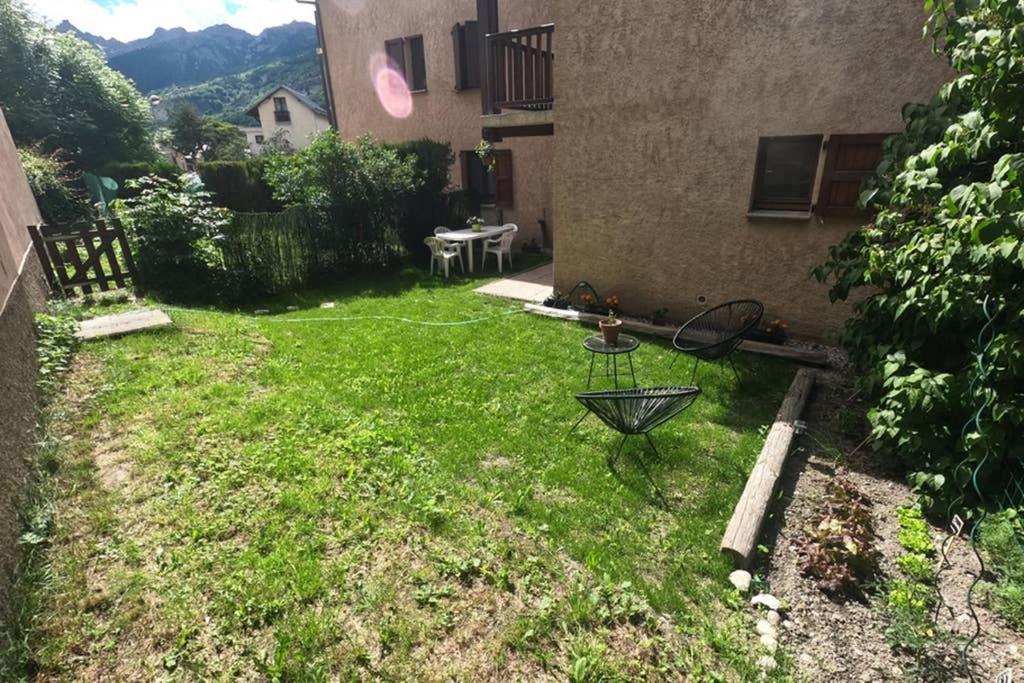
column 611, row 326
column 485, row 150
column 772, row 333
column 475, row 223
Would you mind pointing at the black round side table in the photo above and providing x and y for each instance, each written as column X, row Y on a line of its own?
column 624, row 344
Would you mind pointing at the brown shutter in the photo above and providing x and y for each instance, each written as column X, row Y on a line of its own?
column 458, row 43
column 504, row 186
column 848, row 160
column 471, row 44
column 395, row 50
column 418, row 80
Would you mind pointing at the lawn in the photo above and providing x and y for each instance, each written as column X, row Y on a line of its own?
column 293, row 496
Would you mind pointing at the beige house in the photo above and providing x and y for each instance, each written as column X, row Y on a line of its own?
column 286, row 112
column 704, row 151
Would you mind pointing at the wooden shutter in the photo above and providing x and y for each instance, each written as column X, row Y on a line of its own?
column 395, row 50
column 504, row 186
column 419, row 65
column 466, row 43
column 848, row 160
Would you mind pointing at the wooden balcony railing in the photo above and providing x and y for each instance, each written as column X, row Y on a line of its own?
column 520, row 69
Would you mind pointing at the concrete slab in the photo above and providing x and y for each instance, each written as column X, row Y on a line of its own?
column 533, row 285
column 122, row 323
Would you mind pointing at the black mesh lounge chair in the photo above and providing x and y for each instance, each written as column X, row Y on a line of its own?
column 714, row 334
column 633, row 412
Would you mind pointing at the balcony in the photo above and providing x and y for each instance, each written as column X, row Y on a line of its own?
column 520, row 92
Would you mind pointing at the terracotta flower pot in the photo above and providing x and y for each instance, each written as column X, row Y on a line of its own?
column 610, row 330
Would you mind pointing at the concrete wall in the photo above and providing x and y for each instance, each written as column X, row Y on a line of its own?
column 304, row 125
column 658, row 111
column 22, row 294
column 355, row 31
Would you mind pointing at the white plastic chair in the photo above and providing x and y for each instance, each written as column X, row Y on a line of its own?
column 500, row 245
column 441, row 254
column 439, row 232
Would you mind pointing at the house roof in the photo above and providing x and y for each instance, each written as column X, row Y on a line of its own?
column 301, row 97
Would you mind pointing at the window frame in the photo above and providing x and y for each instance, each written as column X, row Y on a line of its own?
column 407, row 66
column 788, row 205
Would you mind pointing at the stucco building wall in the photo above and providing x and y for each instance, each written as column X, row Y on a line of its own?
column 355, row 31
column 22, row 295
column 659, row 108
column 304, row 124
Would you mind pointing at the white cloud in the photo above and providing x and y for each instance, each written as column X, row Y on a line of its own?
column 131, row 19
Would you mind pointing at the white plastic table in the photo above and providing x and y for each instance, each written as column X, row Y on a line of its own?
column 468, row 236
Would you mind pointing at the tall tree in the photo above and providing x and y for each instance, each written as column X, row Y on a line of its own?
column 192, row 133
column 57, row 93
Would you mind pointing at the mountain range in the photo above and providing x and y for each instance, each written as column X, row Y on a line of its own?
column 219, row 69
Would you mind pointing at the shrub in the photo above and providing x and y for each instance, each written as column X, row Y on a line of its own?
column 427, row 207
column 123, row 171
column 839, row 551
column 939, row 338
column 355, row 192
column 173, row 229
column 239, row 185
column 1001, row 540
column 56, row 187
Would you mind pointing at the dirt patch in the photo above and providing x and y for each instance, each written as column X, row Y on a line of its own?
column 832, row 641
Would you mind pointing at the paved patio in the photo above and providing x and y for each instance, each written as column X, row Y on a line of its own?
column 533, row 285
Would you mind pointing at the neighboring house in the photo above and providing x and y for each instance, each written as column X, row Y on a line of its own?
column 283, row 109
column 254, row 138
column 436, row 45
column 704, row 151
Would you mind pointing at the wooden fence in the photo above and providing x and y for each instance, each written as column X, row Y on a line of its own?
column 84, row 256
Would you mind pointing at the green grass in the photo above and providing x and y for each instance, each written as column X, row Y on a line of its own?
column 295, row 497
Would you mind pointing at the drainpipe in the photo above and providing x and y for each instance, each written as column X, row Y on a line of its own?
column 325, row 66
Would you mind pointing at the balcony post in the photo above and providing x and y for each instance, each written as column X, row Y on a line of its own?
column 486, row 22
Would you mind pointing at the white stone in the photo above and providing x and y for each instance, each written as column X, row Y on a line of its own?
column 773, row 618
column 764, row 627
column 293, row 308
column 262, row 311
column 769, row 601
column 806, row 660
column 741, row 579
column 769, row 643
column 328, row 304
column 767, row 663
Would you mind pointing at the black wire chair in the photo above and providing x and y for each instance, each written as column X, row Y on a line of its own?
column 634, row 412
column 714, row 334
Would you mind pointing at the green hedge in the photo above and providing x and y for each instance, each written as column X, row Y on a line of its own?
column 266, row 253
column 133, row 170
column 239, row 185
column 428, row 206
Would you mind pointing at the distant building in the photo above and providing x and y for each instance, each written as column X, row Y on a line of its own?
column 283, row 109
column 254, row 138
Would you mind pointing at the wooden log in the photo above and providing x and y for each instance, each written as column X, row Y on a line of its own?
column 741, row 535
column 788, row 352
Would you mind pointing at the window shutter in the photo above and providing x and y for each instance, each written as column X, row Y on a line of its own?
column 395, row 50
column 504, row 190
column 848, row 160
column 466, row 40
column 458, row 47
column 419, row 65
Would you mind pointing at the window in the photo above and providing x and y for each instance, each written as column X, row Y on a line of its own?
column 466, row 39
column 848, row 160
column 281, row 114
column 259, row 139
column 489, row 187
column 405, row 55
column 785, row 173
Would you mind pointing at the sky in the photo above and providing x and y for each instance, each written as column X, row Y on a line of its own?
column 131, row 19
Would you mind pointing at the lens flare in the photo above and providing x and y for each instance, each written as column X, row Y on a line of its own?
column 391, row 88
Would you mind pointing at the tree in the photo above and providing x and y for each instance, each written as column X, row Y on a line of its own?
column 198, row 135
column 57, row 93
column 939, row 334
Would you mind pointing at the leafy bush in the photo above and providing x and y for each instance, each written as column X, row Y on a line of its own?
column 173, row 228
column 839, row 551
column 944, row 248
column 427, row 207
column 239, row 185
column 355, row 192
column 123, row 171
column 56, row 187
column 914, row 534
column 1001, row 541
column 55, row 346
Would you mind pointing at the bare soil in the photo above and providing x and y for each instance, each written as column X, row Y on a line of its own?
column 846, row 641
